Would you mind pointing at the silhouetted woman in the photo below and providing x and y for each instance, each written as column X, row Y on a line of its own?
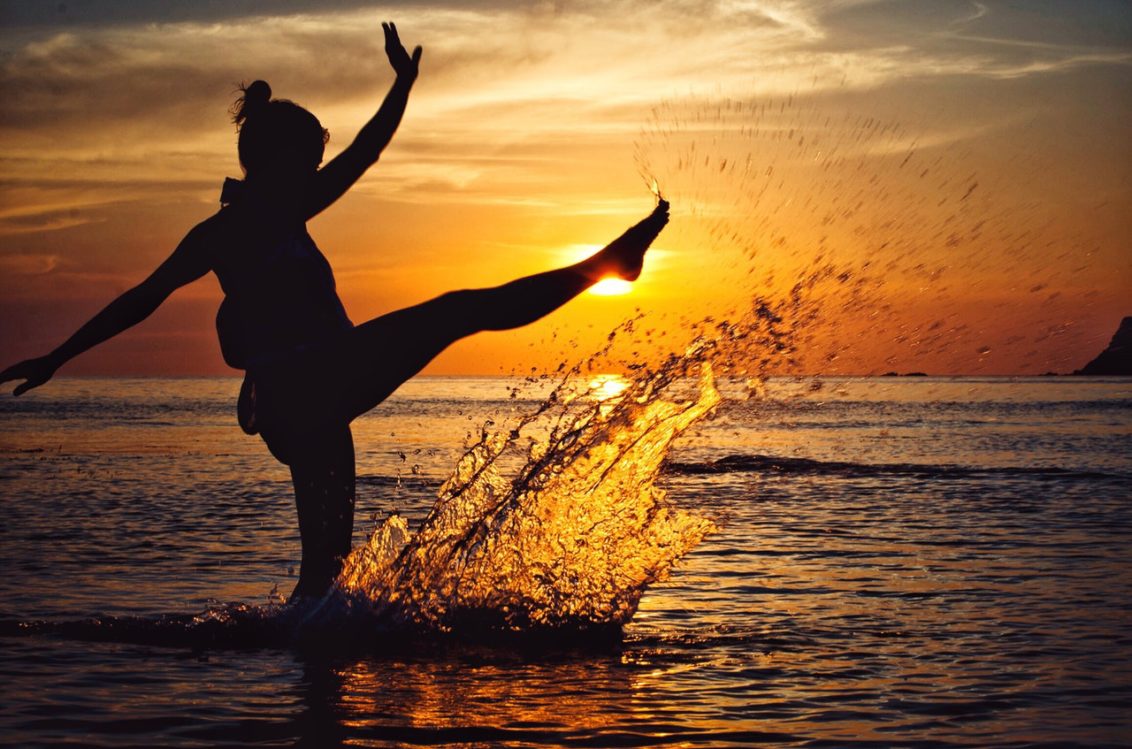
column 309, row 370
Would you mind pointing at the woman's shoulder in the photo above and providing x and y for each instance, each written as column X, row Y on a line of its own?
column 226, row 225
column 208, row 240
column 241, row 232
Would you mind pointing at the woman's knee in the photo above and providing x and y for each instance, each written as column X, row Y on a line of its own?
column 311, row 446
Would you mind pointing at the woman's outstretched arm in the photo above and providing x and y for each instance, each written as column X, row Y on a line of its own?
column 187, row 263
column 334, row 179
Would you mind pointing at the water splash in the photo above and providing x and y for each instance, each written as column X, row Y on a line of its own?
column 557, row 523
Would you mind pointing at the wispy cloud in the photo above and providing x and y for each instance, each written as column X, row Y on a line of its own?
column 25, row 264
column 978, row 10
column 128, row 102
column 1060, row 65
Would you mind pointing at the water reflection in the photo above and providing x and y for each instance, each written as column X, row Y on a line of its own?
column 606, row 386
column 916, row 582
column 473, row 695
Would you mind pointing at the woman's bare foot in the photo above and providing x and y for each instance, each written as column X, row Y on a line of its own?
column 626, row 254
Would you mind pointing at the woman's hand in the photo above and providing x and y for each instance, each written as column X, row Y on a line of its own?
column 406, row 67
column 34, row 372
column 346, row 168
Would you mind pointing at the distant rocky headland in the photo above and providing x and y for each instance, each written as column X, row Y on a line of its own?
column 1116, row 359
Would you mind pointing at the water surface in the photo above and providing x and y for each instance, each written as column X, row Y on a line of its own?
column 898, row 561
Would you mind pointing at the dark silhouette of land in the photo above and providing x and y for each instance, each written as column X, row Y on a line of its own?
column 1116, row 359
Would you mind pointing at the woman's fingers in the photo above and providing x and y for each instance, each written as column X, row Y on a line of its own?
column 403, row 63
column 34, row 372
column 16, row 372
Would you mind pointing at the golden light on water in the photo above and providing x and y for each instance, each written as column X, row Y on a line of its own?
column 606, row 386
column 534, row 570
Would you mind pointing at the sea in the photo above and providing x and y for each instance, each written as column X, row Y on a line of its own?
column 888, row 562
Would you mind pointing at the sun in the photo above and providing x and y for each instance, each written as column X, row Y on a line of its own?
column 611, row 287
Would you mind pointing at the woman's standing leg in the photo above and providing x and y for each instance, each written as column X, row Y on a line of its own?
column 323, row 475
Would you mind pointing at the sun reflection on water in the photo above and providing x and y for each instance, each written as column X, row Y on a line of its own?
column 606, row 386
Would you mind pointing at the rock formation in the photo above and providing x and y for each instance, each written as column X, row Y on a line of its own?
column 1117, row 358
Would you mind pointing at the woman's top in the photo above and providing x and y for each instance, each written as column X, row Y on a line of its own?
column 280, row 296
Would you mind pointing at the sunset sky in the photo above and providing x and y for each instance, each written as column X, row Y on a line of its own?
column 972, row 159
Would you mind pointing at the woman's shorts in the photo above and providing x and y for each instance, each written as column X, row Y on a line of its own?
column 292, row 405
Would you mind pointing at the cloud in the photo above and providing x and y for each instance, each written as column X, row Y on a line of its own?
column 22, row 264
column 978, row 10
column 85, row 14
column 179, row 71
column 507, row 92
column 1059, row 65
column 113, row 101
column 41, row 221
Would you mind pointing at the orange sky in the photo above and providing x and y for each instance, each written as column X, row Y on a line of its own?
column 970, row 160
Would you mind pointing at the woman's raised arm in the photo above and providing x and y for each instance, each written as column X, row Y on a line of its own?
column 188, row 262
column 334, row 179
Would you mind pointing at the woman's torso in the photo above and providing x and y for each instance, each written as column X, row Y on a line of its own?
column 280, row 297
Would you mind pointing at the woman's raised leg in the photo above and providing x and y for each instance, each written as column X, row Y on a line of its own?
column 386, row 351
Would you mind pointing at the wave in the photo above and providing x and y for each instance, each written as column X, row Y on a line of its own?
column 308, row 625
column 774, row 464
column 328, row 625
column 234, row 625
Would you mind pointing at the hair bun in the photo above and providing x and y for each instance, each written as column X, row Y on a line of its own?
column 257, row 91
column 255, row 96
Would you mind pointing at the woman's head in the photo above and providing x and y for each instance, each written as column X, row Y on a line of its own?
column 278, row 138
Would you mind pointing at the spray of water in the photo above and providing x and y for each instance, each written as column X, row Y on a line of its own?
column 957, row 255
column 556, row 523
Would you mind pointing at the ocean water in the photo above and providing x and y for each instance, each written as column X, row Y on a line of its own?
column 895, row 562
